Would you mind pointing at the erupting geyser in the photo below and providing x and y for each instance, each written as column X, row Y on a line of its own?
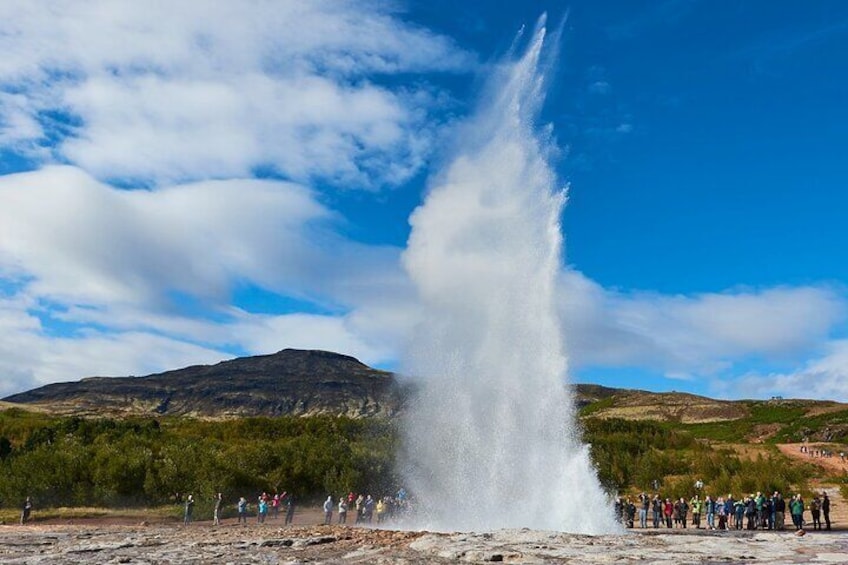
column 490, row 440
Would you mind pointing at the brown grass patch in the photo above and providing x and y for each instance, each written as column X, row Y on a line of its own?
column 672, row 406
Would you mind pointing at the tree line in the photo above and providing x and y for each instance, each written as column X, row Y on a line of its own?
column 69, row 461
column 111, row 462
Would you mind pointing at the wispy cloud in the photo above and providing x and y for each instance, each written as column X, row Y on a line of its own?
column 147, row 122
column 708, row 337
column 823, row 377
column 120, row 272
column 122, row 252
column 159, row 92
column 704, row 334
column 84, row 242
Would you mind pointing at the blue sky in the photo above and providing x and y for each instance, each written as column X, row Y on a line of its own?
column 179, row 190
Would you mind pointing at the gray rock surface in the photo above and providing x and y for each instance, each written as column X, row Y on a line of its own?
column 201, row 543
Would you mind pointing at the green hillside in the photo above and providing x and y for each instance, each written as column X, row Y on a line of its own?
column 71, row 461
column 313, row 422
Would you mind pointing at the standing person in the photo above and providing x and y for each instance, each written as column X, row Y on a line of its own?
column 728, row 510
column 759, row 504
column 381, row 511
column 710, row 510
column 242, row 510
column 189, row 510
column 676, row 513
column 644, row 505
column 289, row 509
column 342, row 510
column 738, row 513
column 275, row 506
column 696, row 505
column 684, row 510
column 815, row 510
column 369, row 509
column 668, row 512
column 721, row 510
column 26, row 510
column 262, row 509
column 779, row 512
column 631, row 512
column 796, row 508
column 773, row 515
column 359, row 508
column 328, row 510
column 216, row 515
column 768, row 514
column 825, row 506
column 751, row 512
column 656, row 508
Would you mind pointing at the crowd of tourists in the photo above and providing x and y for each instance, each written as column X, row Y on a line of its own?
column 821, row 453
column 365, row 508
column 754, row 512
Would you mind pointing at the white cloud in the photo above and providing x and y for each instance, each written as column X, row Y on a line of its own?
column 142, row 280
column 106, row 264
column 30, row 356
column 704, row 336
column 309, row 331
column 824, row 377
column 190, row 98
column 166, row 92
column 700, row 334
column 136, row 343
column 84, row 242
column 17, row 122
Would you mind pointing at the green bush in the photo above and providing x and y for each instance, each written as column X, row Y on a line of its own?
column 631, row 455
column 74, row 461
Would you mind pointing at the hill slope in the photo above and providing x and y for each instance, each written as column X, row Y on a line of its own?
column 290, row 382
column 300, row 383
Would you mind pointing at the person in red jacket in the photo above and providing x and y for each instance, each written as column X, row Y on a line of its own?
column 668, row 512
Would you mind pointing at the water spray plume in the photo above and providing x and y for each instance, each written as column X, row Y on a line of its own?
column 490, row 438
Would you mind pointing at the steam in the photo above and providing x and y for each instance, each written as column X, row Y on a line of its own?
column 490, row 438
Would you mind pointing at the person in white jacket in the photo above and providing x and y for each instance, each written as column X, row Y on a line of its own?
column 328, row 510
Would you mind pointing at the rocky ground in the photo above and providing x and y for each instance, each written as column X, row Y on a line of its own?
column 268, row 544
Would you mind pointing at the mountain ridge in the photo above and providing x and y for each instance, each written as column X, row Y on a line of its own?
column 294, row 382
column 289, row 382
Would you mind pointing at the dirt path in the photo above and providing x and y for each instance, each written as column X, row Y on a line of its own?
column 834, row 466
